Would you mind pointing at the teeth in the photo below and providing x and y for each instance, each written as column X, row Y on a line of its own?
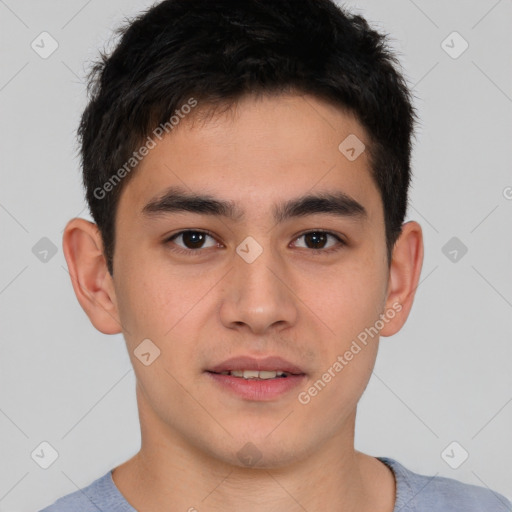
column 267, row 375
column 250, row 374
column 255, row 374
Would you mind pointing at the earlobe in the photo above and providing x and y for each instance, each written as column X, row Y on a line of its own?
column 92, row 283
column 404, row 274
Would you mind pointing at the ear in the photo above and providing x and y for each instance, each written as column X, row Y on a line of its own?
column 404, row 275
column 92, row 283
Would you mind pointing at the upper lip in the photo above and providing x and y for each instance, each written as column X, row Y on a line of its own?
column 251, row 363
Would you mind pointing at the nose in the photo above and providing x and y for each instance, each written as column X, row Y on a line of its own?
column 259, row 295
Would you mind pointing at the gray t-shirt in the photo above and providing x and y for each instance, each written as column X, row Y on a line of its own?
column 414, row 493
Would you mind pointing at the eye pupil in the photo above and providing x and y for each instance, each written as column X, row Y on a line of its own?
column 193, row 238
column 315, row 237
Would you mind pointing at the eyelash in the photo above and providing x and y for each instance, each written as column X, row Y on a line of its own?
column 197, row 252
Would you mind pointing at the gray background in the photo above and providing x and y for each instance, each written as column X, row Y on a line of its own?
column 445, row 377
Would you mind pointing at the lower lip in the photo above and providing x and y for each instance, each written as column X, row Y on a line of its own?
column 257, row 389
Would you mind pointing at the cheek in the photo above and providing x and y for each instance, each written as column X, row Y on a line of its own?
column 350, row 306
column 164, row 312
column 156, row 302
column 144, row 304
column 349, row 299
column 358, row 296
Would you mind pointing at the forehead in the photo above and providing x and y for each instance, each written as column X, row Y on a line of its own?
column 259, row 152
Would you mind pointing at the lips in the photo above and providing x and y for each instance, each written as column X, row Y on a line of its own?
column 250, row 364
column 256, row 380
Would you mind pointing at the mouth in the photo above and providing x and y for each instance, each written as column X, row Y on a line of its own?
column 256, row 379
column 256, row 374
column 251, row 367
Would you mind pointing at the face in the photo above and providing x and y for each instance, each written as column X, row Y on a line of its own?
column 259, row 273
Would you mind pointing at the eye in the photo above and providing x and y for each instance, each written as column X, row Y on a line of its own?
column 318, row 239
column 192, row 240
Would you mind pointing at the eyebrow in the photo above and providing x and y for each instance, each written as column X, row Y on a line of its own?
column 176, row 200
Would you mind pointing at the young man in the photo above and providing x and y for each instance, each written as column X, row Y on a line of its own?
column 247, row 166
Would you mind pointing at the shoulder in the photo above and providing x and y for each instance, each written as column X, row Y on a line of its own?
column 102, row 494
column 422, row 493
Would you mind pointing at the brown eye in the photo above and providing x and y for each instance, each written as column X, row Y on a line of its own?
column 192, row 240
column 317, row 240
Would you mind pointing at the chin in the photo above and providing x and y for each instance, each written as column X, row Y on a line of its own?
column 258, row 451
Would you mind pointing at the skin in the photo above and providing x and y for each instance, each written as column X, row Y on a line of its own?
column 291, row 301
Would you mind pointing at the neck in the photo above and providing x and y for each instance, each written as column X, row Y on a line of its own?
column 170, row 474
